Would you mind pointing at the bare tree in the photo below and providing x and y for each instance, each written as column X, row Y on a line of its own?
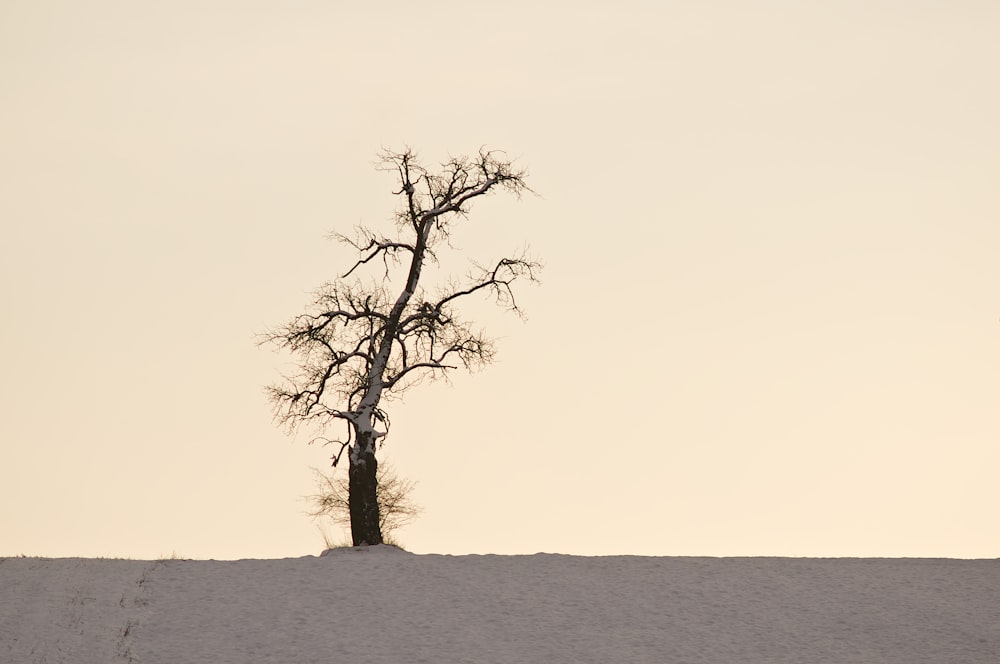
column 361, row 342
column 395, row 504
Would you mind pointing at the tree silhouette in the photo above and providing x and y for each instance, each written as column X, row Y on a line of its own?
column 361, row 341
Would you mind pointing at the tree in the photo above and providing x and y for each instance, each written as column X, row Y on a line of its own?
column 395, row 506
column 362, row 342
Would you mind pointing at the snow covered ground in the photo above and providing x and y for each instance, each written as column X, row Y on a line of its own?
column 384, row 605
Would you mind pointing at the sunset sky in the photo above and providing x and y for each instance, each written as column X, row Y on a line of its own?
column 769, row 321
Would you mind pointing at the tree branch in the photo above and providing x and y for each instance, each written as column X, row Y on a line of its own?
column 372, row 248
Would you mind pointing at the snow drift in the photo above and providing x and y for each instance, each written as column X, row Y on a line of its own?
column 381, row 604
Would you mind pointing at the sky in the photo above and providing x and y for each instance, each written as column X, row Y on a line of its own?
column 768, row 324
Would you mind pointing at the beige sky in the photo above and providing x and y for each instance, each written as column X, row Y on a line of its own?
column 769, row 322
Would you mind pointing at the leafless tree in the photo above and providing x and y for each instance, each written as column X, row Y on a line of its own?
column 363, row 341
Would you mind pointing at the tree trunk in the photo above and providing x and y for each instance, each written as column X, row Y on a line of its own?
column 363, row 495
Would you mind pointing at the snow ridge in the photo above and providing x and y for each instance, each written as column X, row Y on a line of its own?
column 488, row 608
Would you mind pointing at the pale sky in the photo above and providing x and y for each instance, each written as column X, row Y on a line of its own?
column 769, row 322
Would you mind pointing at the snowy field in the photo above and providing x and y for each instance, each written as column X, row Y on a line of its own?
column 384, row 605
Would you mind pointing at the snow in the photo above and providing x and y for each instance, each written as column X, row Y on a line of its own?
column 380, row 604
